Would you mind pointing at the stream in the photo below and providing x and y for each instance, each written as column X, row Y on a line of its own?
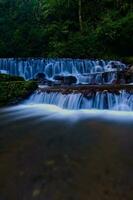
column 50, row 153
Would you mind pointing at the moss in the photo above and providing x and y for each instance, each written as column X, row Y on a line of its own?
column 13, row 91
column 128, row 60
column 7, row 77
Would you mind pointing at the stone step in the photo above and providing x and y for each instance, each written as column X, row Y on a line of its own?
column 85, row 89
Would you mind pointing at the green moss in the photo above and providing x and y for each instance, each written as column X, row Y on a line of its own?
column 7, row 77
column 128, row 60
column 13, row 91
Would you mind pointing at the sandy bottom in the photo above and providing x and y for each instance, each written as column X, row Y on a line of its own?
column 50, row 154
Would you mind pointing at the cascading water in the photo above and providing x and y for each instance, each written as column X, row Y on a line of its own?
column 86, row 71
column 89, row 72
column 98, row 100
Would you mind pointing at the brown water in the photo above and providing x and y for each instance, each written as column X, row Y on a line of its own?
column 51, row 154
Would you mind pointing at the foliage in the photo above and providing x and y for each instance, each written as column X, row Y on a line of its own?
column 13, row 91
column 51, row 28
column 6, row 77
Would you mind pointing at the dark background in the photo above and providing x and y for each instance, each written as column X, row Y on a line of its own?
column 51, row 28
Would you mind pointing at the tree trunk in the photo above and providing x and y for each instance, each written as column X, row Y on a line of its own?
column 80, row 15
column 118, row 3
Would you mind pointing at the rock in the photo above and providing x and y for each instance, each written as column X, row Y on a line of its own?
column 58, row 78
column 41, row 78
column 129, row 74
column 49, row 82
column 69, row 80
column 130, row 69
column 114, row 65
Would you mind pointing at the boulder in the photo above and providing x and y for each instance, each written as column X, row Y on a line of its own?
column 49, row 83
column 130, row 69
column 69, row 80
column 129, row 74
column 58, row 78
column 41, row 78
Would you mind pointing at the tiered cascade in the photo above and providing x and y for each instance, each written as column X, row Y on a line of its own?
column 88, row 72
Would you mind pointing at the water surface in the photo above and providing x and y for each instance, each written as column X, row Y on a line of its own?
column 54, row 154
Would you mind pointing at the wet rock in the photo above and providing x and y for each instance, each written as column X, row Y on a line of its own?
column 130, row 69
column 50, row 83
column 69, row 80
column 129, row 74
column 58, row 78
column 41, row 78
column 116, row 65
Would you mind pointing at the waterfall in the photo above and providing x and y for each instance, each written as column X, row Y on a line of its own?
column 72, row 71
column 86, row 71
column 98, row 100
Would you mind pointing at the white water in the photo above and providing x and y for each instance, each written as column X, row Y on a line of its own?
column 43, row 112
column 86, row 71
column 100, row 100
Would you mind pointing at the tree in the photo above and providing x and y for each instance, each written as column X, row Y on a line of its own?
column 66, row 28
column 80, row 15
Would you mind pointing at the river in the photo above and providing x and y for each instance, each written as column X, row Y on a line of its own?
column 48, row 153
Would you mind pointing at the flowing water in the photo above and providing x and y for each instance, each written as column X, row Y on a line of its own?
column 56, row 146
column 54, row 154
column 121, row 101
column 86, row 71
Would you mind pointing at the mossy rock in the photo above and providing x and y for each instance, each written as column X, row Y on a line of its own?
column 128, row 60
column 7, row 77
column 14, row 91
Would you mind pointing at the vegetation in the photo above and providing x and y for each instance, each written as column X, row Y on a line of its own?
column 66, row 28
column 7, row 77
column 13, row 91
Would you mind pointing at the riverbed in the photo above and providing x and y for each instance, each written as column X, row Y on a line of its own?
column 48, row 153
